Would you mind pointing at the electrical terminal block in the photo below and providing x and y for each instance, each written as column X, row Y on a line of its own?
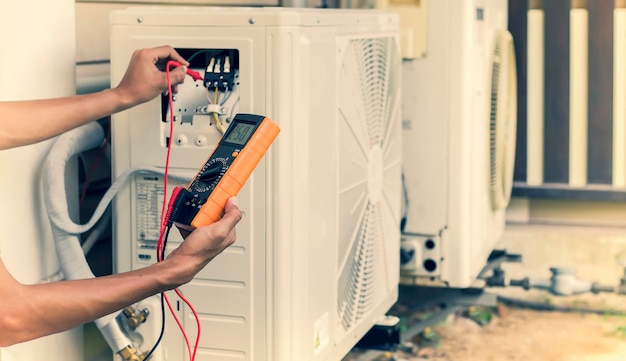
column 218, row 73
column 227, row 64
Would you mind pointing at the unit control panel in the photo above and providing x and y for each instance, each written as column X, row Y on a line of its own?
column 203, row 110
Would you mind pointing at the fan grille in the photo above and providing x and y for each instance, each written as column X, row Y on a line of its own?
column 355, row 297
column 502, row 121
column 368, row 91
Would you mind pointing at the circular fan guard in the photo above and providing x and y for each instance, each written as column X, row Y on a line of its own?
column 369, row 174
column 502, row 121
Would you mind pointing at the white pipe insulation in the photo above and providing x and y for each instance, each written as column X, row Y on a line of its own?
column 70, row 253
column 65, row 231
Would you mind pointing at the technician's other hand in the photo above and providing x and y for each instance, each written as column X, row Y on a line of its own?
column 204, row 243
column 145, row 77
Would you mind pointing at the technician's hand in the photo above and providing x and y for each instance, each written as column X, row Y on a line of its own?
column 145, row 77
column 204, row 243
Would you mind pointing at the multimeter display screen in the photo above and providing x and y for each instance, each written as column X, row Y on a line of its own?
column 240, row 133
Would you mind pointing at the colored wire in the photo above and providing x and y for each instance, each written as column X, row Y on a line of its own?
column 232, row 109
column 218, row 123
column 161, row 247
column 193, row 310
column 197, row 53
column 163, row 237
column 180, row 325
column 227, row 95
column 168, row 145
column 164, row 228
column 158, row 341
column 208, row 97
column 217, row 119
column 160, row 244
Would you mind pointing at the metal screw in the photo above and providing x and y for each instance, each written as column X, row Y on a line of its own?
column 251, row 21
column 173, row 97
column 140, row 20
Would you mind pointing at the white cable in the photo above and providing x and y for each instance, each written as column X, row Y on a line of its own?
column 97, row 232
column 56, row 197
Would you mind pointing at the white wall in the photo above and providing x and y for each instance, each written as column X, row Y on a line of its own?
column 37, row 57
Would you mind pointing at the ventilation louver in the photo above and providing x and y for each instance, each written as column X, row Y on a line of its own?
column 502, row 121
column 368, row 75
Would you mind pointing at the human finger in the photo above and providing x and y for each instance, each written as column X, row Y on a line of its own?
column 232, row 214
column 225, row 226
column 167, row 52
column 177, row 75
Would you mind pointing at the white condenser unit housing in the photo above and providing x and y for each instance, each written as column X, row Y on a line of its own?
column 460, row 120
column 315, row 264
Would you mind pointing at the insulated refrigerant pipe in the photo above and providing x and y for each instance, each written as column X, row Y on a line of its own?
column 65, row 231
column 71, row 256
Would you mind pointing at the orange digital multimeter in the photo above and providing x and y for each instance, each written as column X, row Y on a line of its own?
column 239, row 151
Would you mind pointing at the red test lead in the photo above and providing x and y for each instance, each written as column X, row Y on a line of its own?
column 193, row 74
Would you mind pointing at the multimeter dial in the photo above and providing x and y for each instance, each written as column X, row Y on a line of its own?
column 211, row 174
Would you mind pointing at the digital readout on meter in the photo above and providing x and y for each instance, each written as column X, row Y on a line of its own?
column 240, row 133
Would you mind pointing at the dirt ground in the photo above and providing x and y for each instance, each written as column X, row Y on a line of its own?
column 511, row 333
column 530, row 335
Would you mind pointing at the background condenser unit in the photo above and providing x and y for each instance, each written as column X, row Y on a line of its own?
column 315, row 263
column 460, row 115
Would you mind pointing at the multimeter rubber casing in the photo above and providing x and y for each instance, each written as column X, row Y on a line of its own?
column 225, row 172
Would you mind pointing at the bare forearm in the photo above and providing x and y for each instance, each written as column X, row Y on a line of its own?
column 27, row 122
column 28, row 312
column 36, row 310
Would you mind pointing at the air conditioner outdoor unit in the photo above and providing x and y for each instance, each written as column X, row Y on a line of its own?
column 316, row 261
column 460, row 120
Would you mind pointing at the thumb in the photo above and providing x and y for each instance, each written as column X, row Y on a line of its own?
column 232, row 214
